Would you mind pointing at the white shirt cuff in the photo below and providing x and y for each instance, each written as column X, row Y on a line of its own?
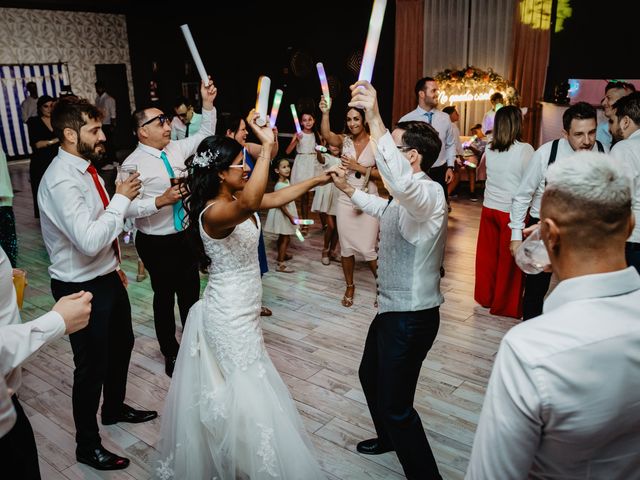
column 119, row 203
column 359, row 198
column 51, row 324
column 516, row 235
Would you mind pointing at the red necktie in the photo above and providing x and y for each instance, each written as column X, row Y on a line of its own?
column 105, row 201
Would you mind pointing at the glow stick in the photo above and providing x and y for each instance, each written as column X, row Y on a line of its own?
column 277, row 98
column 469, row 164
column 373, row 37
column 194, row 53
column 294, row 113
column 262, row 100
column 323, row 82
column 302, row 221
column 299, row 235
column 321, row 149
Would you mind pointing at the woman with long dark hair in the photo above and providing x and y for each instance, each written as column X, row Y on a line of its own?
column 499, row 281
column 44, row 145
column 358, row 231
column 228, row 413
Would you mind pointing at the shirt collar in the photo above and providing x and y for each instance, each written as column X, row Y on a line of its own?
column 634, row 134
column 80, row 163
column 150, row 150
column 597, row 285
column 422, row 111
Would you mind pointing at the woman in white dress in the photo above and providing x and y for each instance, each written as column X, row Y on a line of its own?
column 228, row 414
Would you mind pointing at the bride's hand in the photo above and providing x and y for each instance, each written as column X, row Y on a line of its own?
column 264, row 134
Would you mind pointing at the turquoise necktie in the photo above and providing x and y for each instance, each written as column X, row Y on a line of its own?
column 429, row 116
column 178, row 211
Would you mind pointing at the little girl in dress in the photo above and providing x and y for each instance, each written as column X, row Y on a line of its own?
column 305, row 164
column 282, row 220
column 325, row 202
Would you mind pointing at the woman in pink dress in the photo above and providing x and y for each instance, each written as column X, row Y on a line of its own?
column 358, row 232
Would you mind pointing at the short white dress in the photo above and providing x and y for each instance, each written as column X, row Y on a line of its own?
column 276, row 221
column 305, row 165
column 325, row 199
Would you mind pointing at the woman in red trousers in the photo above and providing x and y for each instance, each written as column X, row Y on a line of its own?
column 499, row 281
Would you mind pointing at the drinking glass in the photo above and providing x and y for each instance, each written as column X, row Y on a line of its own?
column 19, row 283
column 532, row 256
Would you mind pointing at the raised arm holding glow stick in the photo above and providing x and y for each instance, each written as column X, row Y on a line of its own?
column 373, row 37
column 294, row 113
column 262, row 100
column 194, row 53
column 323, row 81
column 277, row 98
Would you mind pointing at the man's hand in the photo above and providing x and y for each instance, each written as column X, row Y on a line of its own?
column 123, row 278
column 170, row 196
column 339, row 177
column 363, row 96
column 130, row 187
column 514, row 245
column 448, row 177
column 209, row 93
column 74, row 310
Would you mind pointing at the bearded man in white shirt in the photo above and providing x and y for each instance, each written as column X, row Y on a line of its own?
column 625, row 128
column 563, row 399
column 161, row 238
column 80, row 228
column 413, row 227
column 578, row 135
column 18, row 341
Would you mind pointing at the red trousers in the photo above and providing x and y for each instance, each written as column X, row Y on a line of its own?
column 499, row 281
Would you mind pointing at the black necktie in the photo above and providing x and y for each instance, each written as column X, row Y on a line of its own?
column 187, row 132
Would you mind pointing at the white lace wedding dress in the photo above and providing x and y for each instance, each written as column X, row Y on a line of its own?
column 228, row 414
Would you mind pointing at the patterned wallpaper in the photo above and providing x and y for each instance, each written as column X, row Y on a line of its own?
column 82, row 39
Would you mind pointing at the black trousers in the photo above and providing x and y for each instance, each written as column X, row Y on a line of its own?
column 18, row 453
column 535, row 288
column 632, row 254
column 173, row 271
column 101, row 353
column 396, row 345
column 438, row 175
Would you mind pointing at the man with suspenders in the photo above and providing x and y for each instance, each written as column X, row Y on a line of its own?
column 579, row 134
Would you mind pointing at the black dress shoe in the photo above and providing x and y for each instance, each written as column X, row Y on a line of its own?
column 169, row 365
column 373, row 447
column 101, row 459
column 130, row 415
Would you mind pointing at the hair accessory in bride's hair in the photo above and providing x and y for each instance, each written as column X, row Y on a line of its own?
column 204, row 159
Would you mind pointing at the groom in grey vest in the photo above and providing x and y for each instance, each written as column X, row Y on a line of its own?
column 413, row 225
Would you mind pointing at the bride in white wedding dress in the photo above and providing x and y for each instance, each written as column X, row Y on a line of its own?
column 228, row 414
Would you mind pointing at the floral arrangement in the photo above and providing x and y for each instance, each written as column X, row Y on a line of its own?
column 473, row 83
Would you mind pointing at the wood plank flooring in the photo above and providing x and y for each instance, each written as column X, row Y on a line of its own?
column 314, row 342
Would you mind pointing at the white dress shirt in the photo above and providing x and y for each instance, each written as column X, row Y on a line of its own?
column 456, row 136
column 179, row 129
column 8, row 414
column 155, row 178
column 29, row 108
column 529, row 193
column 488, row 120
column 563, row 400
column 422, row 202
column 504, row 173
column 442, row 123
column 603, row 135
column 19, row 341
column 107, row 105
column 77, row 230
column 628, row 153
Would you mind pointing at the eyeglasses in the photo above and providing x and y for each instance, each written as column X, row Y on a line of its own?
column 162, row 118
column 403, row 148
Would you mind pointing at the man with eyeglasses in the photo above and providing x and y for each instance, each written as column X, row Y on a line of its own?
column 161, row 238
column 186, row 122
column 413, row 226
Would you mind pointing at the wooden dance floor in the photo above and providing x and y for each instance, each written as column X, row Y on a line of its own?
column 315, row 343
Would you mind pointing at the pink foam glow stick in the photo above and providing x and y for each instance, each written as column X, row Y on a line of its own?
column 277, row 98
column 373, row 37
column 294, row 113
